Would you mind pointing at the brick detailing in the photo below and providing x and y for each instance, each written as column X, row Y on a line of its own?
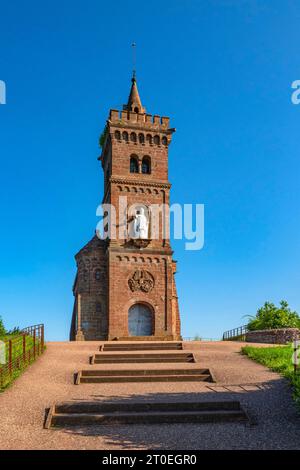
column 91, row 288
column 105, row 268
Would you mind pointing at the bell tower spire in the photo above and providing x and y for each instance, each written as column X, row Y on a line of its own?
column 125, row 286
column 134, row 103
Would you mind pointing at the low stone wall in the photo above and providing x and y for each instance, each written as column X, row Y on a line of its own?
column 278, row 336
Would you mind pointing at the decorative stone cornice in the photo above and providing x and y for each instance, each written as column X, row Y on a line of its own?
column 137, row 183
column 153, row 184
column 143, row 127
column 132, row 251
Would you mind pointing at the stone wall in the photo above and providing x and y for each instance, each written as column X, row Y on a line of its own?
column 114, row 276
column 160, row 298
column 91, row 285
column 278, row 336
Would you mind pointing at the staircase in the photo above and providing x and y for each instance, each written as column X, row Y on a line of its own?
column 147, row 352
column 149, row 346
column 143, row 375
column 97, row 413
column 141, row 357
column 138, row 412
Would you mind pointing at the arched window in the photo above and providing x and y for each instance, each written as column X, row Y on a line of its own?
column 146, row 165
column 125, row 136
column 149, row 138
column 134, row 164
column 141, row 138
column 136, row 110
column 164, row 141
column 156, row 140
column 118, row 135
column 97, row 275
column 133, row 137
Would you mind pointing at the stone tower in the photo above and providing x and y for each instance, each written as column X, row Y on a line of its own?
column 125, row 286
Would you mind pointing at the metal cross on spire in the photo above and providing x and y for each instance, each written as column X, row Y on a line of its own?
column 133, row 45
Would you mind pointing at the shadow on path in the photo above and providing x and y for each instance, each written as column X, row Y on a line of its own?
column 275, row 421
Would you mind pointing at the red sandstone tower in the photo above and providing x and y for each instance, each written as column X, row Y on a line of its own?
column 125, row 286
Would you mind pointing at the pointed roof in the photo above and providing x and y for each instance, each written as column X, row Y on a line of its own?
column 134, row 101
column 95, row 243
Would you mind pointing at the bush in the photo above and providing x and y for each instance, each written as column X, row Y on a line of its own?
column 197, row 338
column 15, row 331
column 271, row 317
column 103, row 137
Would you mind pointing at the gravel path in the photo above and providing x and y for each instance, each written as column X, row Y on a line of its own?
column 264, row 394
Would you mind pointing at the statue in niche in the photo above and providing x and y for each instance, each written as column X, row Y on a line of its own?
column 140, row 224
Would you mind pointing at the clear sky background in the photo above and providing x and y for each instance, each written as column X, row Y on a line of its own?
column 222, row 69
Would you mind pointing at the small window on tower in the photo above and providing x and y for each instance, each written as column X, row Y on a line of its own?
column 141, row 138
column 146, row 165
column 156, row 140
column 97, row 274
column 118, row 135
column 133, row 137
column 134, row 165
column 164, row 140
column 125, row 136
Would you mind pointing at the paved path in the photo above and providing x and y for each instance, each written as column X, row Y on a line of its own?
column 265, row 395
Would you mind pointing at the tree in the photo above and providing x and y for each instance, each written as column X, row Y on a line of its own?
column 197, row 338
column 271, row 317
column 2, row 328
column 15, row 331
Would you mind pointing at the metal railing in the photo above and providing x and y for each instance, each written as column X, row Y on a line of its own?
column 198, row 338
column 20, row 351
column 236, row 334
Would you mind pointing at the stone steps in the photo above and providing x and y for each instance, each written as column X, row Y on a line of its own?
column 130, row 412
column 106, row 358
column 96, row 413
column 143, row 375
column 164, row 346
column 154, row 339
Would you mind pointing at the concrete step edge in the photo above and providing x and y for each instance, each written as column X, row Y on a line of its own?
column 141, row 378
column 98, row 407
column 148, row 418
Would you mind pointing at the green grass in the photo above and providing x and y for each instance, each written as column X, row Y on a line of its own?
column 278, row 359
column 17, row 348
column 7, row 337
column 17, row 352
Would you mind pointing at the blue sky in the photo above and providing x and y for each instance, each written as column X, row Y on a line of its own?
column 223, row 71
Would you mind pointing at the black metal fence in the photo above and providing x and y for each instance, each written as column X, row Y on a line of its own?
column 19, row 351
column 236, row 334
